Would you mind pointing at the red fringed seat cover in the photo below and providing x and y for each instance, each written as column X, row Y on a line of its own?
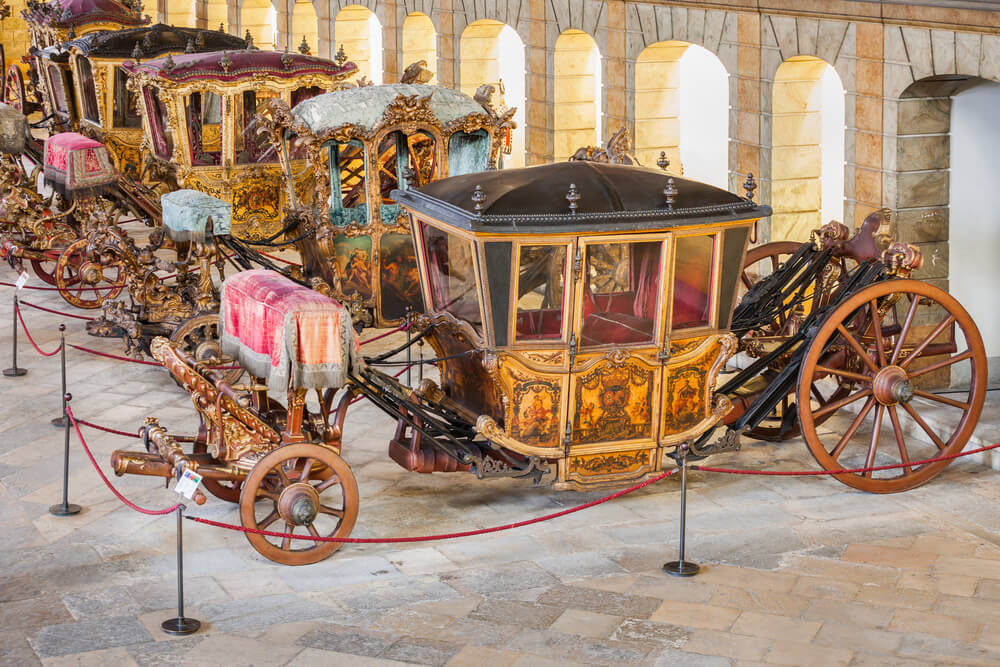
column 78, row 166
column 282, row 331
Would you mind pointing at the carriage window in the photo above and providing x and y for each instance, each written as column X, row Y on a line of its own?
column 126, row 103
column 204, row 121
column 418, row 152
column 540, row 289
column 88, row 91
column 621, row 293
column 452, row 275
column 348, row 184
column 251, row 147
column 58, row 89
column 388, row 178
column 693, row 281
column 468, row 152
column 423, row 158
column 163, row 141
column 305, row 93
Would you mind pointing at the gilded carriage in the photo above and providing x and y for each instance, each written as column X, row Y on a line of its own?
column 200, row 119
column 588, row 321
column 363, row 143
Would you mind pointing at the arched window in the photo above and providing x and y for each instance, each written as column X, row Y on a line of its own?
column 358, row 30
column 420, row 42
column 304, row 25
column 577, row 98
column 260, row 19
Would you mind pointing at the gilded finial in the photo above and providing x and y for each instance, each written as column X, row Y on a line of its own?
column 249, row 39
column 147, row 41
column 137, row 53
column 222, row 27
column 750, row 185
column 199, row 41
column 478, row 196
column 341, row 57
column 286, row 60
column 573, row 196
column 190, row 46
column 168, row 63
column 225, row 62
column 663, row 161
column 304, row 46
column 670, row 192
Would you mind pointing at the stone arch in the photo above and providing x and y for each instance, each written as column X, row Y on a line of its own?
column 259, row 18
column 419, row 42
column 359, row 31
column 491, row 53
column 807, row 147
column 681, row 109
column 181, row 13
column 303, row 24
column 576, row 101
column 217, row 14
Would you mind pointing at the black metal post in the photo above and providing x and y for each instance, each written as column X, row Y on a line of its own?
column 420, row 360
column 409, row 354
column 180, row 625
column 63, row 421
column 681, row 567
column 14, row 371
column 65, row 508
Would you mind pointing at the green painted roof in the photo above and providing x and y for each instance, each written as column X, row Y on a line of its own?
column 364, row 106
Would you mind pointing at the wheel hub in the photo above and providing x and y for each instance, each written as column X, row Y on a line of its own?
column 298, row 504
column 892, row 386
column 207, row 350
column 91, row 273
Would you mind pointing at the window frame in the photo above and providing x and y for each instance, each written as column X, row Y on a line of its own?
column 714, row 283
column 568, row 293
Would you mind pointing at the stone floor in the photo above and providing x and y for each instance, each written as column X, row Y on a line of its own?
column 795, row 570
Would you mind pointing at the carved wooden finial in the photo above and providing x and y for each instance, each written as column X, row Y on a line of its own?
column 225, row 62
column 670, row 193
column 286, row 60
column 478, row 196
column 750, row 185
column 199, row 41
column 304, row 46
column 573, row 196
column 190, row 46
column 249, row 39
column 663, row 161
column 137, row 54
column 168, row 63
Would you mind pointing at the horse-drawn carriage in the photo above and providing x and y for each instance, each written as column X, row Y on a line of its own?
column 582, row 317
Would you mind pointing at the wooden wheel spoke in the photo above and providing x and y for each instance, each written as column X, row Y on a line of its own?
column 838, row 404
column 922, row 424
column 852, row 429
column 941, row 399
column 904, row 456
column 860, row 351
column 877, row 330
column 328, row 483
column 268, row 520
column 306, row 470
column 906, row 328
column 941, row 364
column 267, row 494
column 332, row 511
column 873, row 445
column 282, row 475
column 814, row 390
column 286, row 542
column 312, row 530
column 927, row 341
column 867, row 379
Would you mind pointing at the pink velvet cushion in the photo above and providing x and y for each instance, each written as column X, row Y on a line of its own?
column 78, row 165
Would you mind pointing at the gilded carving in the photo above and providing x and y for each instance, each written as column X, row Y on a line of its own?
column 610, row 464
column 614, row 401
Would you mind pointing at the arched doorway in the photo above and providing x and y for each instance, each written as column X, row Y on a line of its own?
column 682, row 110
column 807, row 140
column 493, row 53
column 420, row 42
column 181, row 13
column 358, row 30
column 577, row 93
column 260, row 19
column 304, row 25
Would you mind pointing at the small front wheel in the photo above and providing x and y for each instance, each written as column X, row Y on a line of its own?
column 301, row 487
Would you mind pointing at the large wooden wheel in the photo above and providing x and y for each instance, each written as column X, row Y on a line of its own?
column 199, row 337
column 899, row 358
column 86, row 283
column 291, row 489
column 761, row 261
column 13, row 88
column 45, row 268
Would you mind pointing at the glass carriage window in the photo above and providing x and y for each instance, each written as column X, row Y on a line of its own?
column 349, row 161
column 251, row 147
column 418, row 152
column 88, row 94
column 452, row 275
column 204, row 122
column 163, row 142
column 693, row 269
column 304, row 93
column 621, row 292
column 388, row 177
column 540, row 288
column 58, row 85
column 126, row 103
column 422, row 158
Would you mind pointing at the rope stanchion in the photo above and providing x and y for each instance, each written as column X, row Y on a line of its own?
column 681, row 567
column 180, row 625
column 14, row 371
column 116, row 492
column 65, row 508
column 54, row 312
column 442, row 536
column 60, row 421
column 17, row 311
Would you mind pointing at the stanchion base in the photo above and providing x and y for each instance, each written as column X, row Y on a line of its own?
column 681, row 568
column 64, row 510
column 15, row 372
column 58, row 422
column 180, row 626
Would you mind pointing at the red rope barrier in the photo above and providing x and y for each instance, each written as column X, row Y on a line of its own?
column 56, row 289
column 100, row 472
column 114, row 356
column 401, row 327
column 106, row 429
column 54, row 312
column 442, row 536
column 842, row 471
column 32, row 340
column 279, row 259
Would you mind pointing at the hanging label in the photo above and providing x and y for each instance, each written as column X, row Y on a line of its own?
column 21, row 279
column 188, row 484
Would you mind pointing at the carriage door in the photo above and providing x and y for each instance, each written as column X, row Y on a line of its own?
column 616, row 373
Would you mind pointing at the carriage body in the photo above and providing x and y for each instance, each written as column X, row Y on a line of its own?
column 363, row 143
column 599, row 312
column 200, row 119
column 96, row 99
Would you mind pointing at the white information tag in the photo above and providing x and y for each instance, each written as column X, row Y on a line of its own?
column 21, row 279
column 188, row 484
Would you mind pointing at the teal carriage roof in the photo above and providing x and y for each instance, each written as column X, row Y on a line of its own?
column 575, row 197
column 364, row 107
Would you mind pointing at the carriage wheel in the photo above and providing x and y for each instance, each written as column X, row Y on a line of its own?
column 222, row 489
column 279, row 496
column 897, row 355
column 761, row 262
column 84, row 283
column 45, row 269
column 199, row 337
column 13, row 89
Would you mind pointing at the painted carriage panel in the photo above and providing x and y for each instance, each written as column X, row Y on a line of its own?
column 688, row 385
column 614, row 400
column 534, row 404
